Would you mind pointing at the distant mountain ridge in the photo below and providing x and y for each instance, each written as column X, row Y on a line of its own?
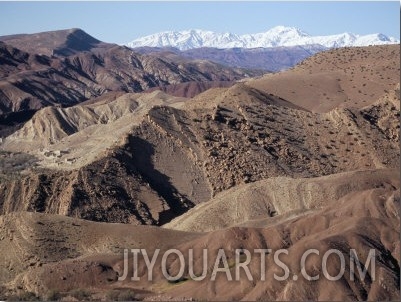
column 271, row 59
column 67, row 67
column 275, row 37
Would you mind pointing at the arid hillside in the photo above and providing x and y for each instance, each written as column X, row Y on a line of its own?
column 267, row 162
column 68, row 67
column 191, row 89
column 273, row 200
column 184, row 151
column 57, row 256
column 34, row 81
column 59, row 42
column 344, row 78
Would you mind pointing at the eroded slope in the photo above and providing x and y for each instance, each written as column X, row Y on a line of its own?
column 338, row 78
column 58, row 254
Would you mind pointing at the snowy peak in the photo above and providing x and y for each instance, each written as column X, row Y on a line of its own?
column 289, row 32
column 274, row 37
column 186, row 39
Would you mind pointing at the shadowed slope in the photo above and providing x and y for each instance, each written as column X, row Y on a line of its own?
column 186, row 151
column 75, row 253
column 271, row 200
column 68, row 67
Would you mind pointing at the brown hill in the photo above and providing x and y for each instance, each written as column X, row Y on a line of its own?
column 184, row 152
column 58, row 42
column 259, row 170
column 340, row 78
column 32, row 81
column 191, row 89
column 55, row 255
column 270, row 201
column 74, row 67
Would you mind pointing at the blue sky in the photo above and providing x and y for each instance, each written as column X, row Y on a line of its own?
column 121, row 22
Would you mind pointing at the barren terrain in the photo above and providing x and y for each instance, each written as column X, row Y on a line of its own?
column 67, row 67
column 305, row 158
column 341, row 78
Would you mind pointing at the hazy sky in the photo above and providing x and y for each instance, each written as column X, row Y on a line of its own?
column 122, row 22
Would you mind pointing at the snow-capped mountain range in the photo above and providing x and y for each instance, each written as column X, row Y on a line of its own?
column 277, row 36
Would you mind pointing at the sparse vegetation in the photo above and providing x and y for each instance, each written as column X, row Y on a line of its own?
column 12, row 163
column 267, row 156
column 121, row 295
column 23, row 296
column 80, row 294
column 53, row 295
